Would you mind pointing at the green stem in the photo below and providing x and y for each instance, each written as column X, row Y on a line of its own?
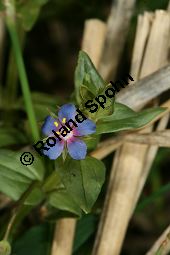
column 12, row 75
column 18, row 207
column 10, row 21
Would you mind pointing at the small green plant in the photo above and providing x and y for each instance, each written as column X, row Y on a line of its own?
column 67, row 184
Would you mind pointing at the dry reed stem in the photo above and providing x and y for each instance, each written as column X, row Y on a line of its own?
column 63, row 240
column 122, row 191
column 63, row 237
column 117, row 29
column 162, row 244
column 150, row 158
column 142, row 33
column 159, row 33
column 93, row 38
column 143, row 91
column 161, row 138
column 108, row 146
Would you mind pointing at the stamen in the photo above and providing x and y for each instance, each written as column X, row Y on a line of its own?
column 70, row 135
column 64, row 120
column 56, row 124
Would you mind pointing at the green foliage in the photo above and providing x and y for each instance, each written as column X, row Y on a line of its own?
column 151, row 199
column 35, row 197
column 89, row 84
column 73, row 186
column 61, row 199
column 27, row 12
column 86, row 226
column 43, row 104
column 35, row 241
column 87, row 77
column 125, row 118
column 15, row 178
column 2, row 7
column 92, row 141
column 83, row 180
column 10, row 136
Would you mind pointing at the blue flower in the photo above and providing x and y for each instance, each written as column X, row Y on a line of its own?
column 77, row 148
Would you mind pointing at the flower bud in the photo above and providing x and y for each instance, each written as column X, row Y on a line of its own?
column 5, row 248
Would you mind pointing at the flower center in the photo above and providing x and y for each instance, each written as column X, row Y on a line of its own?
column 68, row 136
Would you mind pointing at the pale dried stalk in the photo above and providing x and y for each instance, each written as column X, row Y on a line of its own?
column 161, row 138
column 158, row 56
column 103, row 239
column 143, row 91
column 164, row 241
column 64, row 236
column 117, row 29
column 142, row 32
column 93, row 38
column 123, row 187
column 150, row 157
column 65, row 228
column 108, row 146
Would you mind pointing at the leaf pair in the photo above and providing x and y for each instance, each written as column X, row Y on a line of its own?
column 82, row 181
column 76, row 184
column 123, row 118
column 88, row 85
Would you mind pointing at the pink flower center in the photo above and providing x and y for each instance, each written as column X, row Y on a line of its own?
column 68, row 136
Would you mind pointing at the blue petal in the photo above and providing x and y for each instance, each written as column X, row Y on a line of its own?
column 77, row 149
column 55, row 151
column 67, row 111
column 48, row 125
column 87, row 127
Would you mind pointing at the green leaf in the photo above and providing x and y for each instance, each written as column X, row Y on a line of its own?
column 91, row 141
column 45, row 99
column 27, row 12
column 58, row 196
column 35, row 197
column 86, row 226
column 89, row 84
column 15, row 178
column 125, row 118
column 36, row 241
column 2, row 7
column 83, row 180
column 62, row 200
column 10, row 136
column 87, row 76
column 43, row 104
column 52, row 182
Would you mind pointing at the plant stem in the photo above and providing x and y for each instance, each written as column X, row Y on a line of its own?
column 16, row 210
column 12, row 75
column 11, row 25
